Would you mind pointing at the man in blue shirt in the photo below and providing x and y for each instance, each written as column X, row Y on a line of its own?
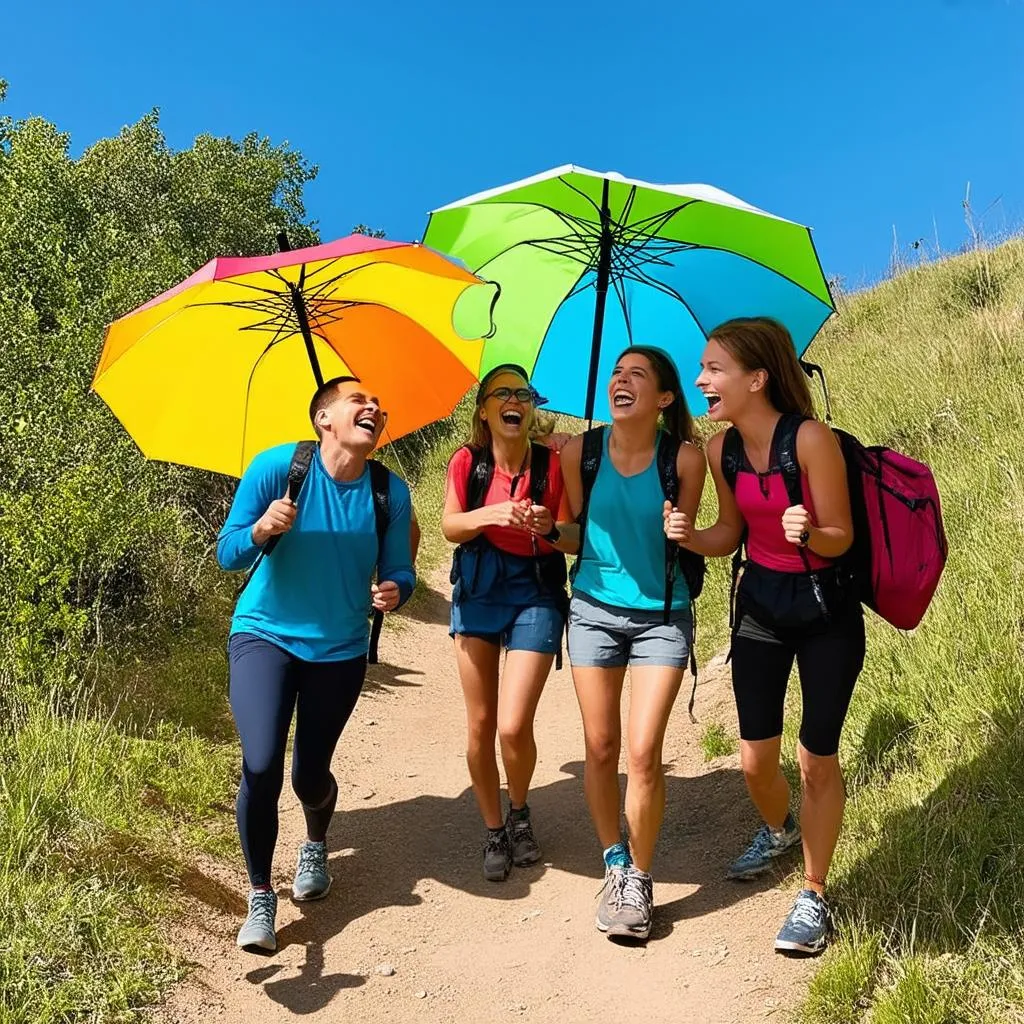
column 299, row 634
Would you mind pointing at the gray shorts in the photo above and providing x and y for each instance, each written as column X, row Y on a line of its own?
column 601, row 636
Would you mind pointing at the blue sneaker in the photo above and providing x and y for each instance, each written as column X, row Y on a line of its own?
column 258, row 930
column 312, row 882
column 767, row 845
column 807, row 928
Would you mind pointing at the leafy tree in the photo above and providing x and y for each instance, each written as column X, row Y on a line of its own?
column 98, row 546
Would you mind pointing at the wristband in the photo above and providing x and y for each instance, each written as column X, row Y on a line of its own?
column 552, row 535
column 804, row 538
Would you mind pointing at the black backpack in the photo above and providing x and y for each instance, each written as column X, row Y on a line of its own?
column 298, row 470
column 677, row 559
column 550, row 567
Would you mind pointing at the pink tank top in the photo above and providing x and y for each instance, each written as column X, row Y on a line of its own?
column 761, row 499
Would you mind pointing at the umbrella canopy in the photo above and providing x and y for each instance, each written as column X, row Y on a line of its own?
column 591, row 262
column 224, row 365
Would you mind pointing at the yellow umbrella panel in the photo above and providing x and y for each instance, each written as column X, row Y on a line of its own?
column 221, row 367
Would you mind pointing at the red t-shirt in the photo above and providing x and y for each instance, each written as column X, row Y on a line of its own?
column 508, row 538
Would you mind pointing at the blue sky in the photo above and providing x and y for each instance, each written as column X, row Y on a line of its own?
column 849, row 117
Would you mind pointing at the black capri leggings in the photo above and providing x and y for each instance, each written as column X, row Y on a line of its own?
column 829, row 659
column 268, row 687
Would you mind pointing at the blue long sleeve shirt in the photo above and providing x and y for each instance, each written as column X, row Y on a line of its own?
column 311, row 596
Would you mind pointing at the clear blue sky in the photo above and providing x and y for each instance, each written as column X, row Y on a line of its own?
column 849, row 117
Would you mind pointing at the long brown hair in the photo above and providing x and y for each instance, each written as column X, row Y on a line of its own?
column 676, row 416
column 760, row 343
column 479, row 431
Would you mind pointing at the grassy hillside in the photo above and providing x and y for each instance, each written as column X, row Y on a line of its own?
column 928, row 881
column 929, row 875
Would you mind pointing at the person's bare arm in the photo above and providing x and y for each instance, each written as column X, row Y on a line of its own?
column 830, row 532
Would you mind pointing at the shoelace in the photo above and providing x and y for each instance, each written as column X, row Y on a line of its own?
column 496, row 841
column 762, row 842
column 522, row 830
column 312, row 857
column 807, row 911
column 613, row 878
column 262, row 906
column 636, row 891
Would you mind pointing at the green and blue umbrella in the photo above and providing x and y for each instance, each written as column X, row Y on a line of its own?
column 591, row 262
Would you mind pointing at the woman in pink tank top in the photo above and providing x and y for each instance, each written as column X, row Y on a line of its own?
column 795, row 601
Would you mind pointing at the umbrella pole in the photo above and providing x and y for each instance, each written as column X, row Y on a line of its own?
column 299, row 306
column 604, row 266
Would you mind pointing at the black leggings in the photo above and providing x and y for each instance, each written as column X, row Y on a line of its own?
column 829, row 659
column 269, row 686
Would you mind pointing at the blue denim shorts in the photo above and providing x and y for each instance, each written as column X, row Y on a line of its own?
column 601, row 636
column 534, row 627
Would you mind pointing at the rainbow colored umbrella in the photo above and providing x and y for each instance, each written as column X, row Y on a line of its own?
column 225, row 364
column 591, row 262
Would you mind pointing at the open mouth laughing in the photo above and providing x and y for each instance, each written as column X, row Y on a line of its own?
column 367, row 421
column 623, row 399
column 512, row 418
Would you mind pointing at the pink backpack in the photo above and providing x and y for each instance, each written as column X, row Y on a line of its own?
column 899, row 544
column 899, row 541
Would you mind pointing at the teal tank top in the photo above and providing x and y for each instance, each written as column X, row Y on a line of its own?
column 623, row 559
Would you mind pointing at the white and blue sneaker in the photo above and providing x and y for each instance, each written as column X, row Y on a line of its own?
column 766, row 846
column 808, row 926
column 258, row 930
column 312, row 882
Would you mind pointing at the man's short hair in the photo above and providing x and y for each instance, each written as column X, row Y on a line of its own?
column 324, row 395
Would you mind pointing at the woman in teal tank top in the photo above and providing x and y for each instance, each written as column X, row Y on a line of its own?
column 617, row 618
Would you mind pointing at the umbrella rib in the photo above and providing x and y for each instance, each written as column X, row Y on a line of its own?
column 627, row 206
column 650, row 226
column 581, row 193
column 248, row 390
column 235, row 283
column 672, row 293
column 579, row 287
column 771, row 270
column 620, row 293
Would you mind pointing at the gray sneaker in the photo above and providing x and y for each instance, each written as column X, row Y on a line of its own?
column 258, row 930
column 525, row 848
column 611, row 894
column 807, row 928
column 312, row 882
column 636, row 906
column 497, row 856
column 766, row 846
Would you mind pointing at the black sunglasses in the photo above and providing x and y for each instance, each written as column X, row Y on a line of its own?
column 524, row 395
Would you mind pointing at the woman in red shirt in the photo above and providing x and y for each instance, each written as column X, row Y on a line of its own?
column 502, row 499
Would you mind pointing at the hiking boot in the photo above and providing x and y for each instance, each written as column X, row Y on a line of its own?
column 766, row 846
column 611, row 894
column 525, row 848
column 808, row 926
column 312, row 882
column 497, row 855
column 258, row 930
column 632, row 920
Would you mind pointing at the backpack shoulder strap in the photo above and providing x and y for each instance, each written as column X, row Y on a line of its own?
column 732, row 456
column 298, row 470
column 785, row 454
column 380, row 486
column 540, row 463
column 481, row 472
column 668, row 474
column 590, row 462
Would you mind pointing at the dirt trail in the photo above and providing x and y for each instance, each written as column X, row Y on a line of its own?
column 409, row 896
